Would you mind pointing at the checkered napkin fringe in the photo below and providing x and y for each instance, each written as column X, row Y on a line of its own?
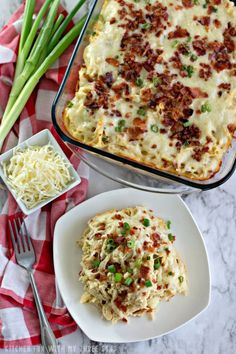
column 19, row 325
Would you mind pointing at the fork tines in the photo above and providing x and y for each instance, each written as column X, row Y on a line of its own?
column 19, row 235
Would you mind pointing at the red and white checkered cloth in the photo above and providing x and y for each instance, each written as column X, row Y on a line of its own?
column 19, row 325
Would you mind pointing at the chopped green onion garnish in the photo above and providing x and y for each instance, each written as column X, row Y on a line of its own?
column 148, row 283
column 131, row 243
column 181, row 279
column 186, row 124
column 156, row 81
column 186, row 143
column 130, row 270
column 170, row 273
column 189, row 69
column 128, row 281
column 139, row 82
column 96, row 263
column 196, row 2
column 157, row 264
column 154, row 128
column 146, row 25
column 148, row 258
column 141, row 111
column 146, row 222
column 111, row 268
column 111, row 245
column 168, row 224
column 121, row 125
column 174, row 44
column 193, row 57
column 171, row 237
column 206, row 108
column 70, row 104
column 118, row 277
column 206, row 4
column 138, row 262
column 189, row 39
column 105, row 139
column 126, row 228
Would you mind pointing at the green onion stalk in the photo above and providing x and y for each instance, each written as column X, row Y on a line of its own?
column 26, row 44
column 33, row 59
column 49, row 36
column 30, row 85
column 58, row 34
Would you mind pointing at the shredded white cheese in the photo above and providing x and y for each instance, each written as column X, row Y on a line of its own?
column 36, row 173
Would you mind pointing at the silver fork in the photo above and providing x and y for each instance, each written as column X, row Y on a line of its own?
column 25, row 257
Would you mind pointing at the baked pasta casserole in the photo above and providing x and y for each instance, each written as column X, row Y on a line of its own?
column 129, row 263
column 158, row 84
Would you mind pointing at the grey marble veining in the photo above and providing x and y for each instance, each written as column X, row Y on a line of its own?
column 214, row 331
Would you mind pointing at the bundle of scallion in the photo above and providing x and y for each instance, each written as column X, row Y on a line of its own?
column 40, row 46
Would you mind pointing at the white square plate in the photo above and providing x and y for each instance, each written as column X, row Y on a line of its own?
column 189, row 243
column 40, row 139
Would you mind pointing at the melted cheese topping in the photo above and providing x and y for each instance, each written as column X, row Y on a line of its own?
column 129, row 263
column 154, row 95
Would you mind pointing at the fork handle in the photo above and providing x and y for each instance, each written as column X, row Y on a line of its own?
column 48, row 339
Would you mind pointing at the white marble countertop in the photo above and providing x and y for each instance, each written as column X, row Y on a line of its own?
column 214, row 331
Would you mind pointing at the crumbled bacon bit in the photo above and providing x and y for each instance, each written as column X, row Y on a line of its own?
column 88, row 77
column 108, row 79
column 187, row 3
column 228, row 42
column 144, row 271
column 121, row 88
column 117, row 217
column 102, row 226
column 138, row 122
column 198, row 93
column 200, row 46
column 204, row 20
column 146, row 94
column 210, row 9
column 217, row 23
column 183, row 134
column 118, row 302
column 134, row 133
column 98, row 236
column 119, row 239
column 205, row 71
column 117, row 113
column 198, row 152
column 231, row 128
column 225, row 86
column 183, row 48
column 220, row 58
column 112, row 20
column 112, row 61
column 101, row 277
column 155, row 236
column 178, row 33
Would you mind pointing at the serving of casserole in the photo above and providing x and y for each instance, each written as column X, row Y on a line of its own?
column 129, row 263
column 158, row 84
